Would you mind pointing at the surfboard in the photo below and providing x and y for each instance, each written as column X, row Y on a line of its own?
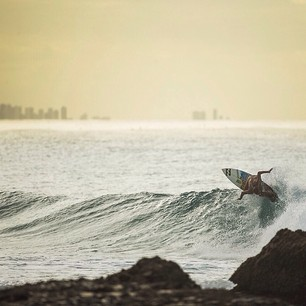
column 236, row 176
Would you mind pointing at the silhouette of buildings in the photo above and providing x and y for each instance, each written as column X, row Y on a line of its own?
column 10, row 112
column 201, row 115
column 41, row 114
column 64, row 113
column 29, row 113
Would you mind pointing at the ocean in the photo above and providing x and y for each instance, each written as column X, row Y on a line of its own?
column 89, row 198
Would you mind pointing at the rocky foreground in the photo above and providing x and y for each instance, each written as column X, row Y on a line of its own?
column 276, row 276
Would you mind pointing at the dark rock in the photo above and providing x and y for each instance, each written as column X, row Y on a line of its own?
column 156, row 272
column 278, row 270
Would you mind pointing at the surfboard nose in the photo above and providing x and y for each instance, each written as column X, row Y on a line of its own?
column 227, row 171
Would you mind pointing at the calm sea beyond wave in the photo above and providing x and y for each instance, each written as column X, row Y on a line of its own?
column 91, row 198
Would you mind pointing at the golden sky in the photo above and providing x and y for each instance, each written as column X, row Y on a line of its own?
column 156, row 59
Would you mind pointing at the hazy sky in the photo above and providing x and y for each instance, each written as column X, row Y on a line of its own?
column 156, row 59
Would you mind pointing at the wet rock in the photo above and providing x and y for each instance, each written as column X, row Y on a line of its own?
column 157, row 273
column 278, row 270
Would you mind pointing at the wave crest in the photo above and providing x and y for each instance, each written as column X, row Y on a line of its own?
column 147, row 221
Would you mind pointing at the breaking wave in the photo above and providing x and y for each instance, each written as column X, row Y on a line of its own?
column 143, row 221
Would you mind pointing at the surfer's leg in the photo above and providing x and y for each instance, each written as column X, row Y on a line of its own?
column 272, row 196
column 259, row 182
column 270, row 193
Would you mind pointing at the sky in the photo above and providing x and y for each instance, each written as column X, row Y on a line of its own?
column 156, row 59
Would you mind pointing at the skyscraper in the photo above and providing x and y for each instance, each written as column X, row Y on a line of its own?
column 41, row 114
column 64, row 113
column 55, row 114
column 29, row 113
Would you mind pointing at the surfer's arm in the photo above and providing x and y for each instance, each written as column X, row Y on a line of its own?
column 248, row 189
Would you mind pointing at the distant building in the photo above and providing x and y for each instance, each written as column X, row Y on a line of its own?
column 199, row 115
column 10, row 112
column 17, row 113
column 55, row 114
column 64, row 113
column 6, row 111
column 29, row 113
column 49, row 113
column 40, row 114
column 2, row 111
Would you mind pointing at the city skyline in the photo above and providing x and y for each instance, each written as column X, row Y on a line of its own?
column 205, row 115
column 16, row 112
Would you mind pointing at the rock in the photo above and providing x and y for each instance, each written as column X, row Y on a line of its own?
column 278, row 270
column 156, row 272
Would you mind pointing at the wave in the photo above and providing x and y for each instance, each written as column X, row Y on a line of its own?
column 143, row 221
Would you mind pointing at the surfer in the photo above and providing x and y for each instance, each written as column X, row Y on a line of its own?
column 254, row 185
